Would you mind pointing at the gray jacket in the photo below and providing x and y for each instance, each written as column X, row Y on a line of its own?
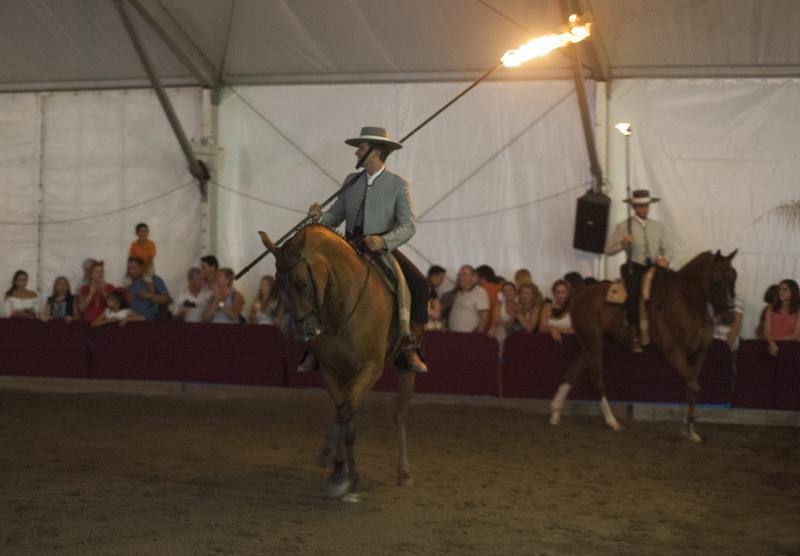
column 388, row 208
column 649, row 241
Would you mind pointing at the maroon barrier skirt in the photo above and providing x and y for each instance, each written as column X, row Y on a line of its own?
column 534, row 365
column 458, row 364
column 767, row 382
column 231, row 354
column 34, row 348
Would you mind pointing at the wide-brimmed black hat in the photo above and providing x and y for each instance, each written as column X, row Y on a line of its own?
column 641, row 197
column 376, row 135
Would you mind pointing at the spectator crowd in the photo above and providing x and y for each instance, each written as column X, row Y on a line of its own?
column 485, row 303
column 479, row 302
column 209, row 295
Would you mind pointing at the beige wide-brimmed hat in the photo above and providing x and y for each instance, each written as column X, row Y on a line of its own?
column 641, row 197
column 373, row 134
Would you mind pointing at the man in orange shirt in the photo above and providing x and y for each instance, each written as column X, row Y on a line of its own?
column 144, row 248
column 488, row 281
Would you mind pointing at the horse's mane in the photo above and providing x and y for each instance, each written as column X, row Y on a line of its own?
column 691, row 278
column 299, row 241
column 698, row 264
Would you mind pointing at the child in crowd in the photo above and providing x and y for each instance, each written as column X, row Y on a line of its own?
column 60, row 305
column 145, row 249
column 116, row 311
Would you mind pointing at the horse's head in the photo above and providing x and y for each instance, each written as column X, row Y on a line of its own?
column 300, row 282
column 722, row 287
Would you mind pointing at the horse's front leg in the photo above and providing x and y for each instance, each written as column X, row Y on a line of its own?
column 696, row 362
column 333, row 445
column 689, row 374
column 404, row 393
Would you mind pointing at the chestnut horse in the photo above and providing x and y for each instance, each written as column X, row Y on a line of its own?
column 680, row 327
column 347, row 317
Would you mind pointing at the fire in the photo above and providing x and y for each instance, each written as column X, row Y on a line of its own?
column 540, row 46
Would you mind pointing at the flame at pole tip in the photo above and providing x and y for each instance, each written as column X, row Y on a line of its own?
column 545, row 44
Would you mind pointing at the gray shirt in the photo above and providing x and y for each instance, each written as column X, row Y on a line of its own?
column 388, row 208
column 649, row 240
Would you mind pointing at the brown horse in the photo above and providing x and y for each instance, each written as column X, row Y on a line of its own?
column 347, row 317
column 680, row 327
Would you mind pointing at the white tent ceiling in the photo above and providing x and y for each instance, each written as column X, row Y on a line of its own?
column 56, row 44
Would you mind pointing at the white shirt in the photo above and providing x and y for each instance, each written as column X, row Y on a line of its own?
column 465, row 314
column 12, row 304
column 721, row 330
column 371, row 179
column 564, row 321
column 193, row 314
column 122, row 314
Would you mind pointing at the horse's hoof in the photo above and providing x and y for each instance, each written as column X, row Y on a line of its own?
column 691, row 435
column 338, row 489
column 555, row 418
column 614, row 425
column 351, row 497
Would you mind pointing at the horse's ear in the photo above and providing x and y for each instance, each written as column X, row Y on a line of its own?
column 732, row 255
column 271, row 247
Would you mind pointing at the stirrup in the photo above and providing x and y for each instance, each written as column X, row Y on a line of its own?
column 308, row 364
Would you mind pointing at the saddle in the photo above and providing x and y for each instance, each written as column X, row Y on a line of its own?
column 617, row 294
column 392, row 275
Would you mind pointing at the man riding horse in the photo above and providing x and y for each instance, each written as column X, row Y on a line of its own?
column 379, row 215
column 647, row 242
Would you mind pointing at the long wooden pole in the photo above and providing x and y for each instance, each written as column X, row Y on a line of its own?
column 305, row 221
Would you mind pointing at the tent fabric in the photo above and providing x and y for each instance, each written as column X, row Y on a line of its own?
column 20, row 134
column 48, row 44
column 721, row 154
column 494, row 178
column 654, row 38
column 108, row 161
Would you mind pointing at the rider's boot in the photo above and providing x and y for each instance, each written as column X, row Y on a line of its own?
column 411, row 349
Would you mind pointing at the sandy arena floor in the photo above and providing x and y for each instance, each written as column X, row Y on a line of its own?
column 125, row 474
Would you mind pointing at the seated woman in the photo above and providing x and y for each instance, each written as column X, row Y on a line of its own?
column 505, row 312
column 770, row 296
column 529, row 307
column 782, row 321
column 117, row 311
column 225, row 305
column 60, row 305
column 92, row 297
column 267, row 307
column 555, row 319
column 20, row 302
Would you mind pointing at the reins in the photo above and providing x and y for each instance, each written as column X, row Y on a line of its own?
column 315, row 292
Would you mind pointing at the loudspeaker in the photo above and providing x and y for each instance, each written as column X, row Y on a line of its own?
column 591, row 222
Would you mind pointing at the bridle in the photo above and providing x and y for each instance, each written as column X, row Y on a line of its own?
column 728, row 296
column 316, row 311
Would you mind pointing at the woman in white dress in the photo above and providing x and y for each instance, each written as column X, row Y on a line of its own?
column 555, row 318
column 20, row 302
column 504, row 313
column 266, row 307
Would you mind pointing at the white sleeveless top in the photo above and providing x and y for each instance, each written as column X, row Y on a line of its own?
column 564, row 321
